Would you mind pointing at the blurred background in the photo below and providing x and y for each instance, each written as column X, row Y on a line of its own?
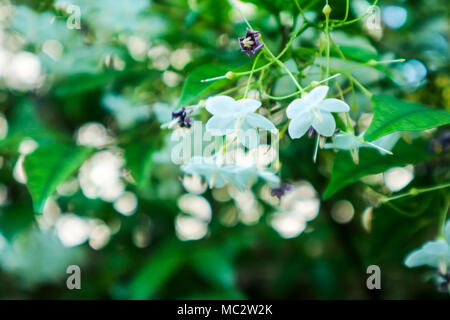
column 128, row 217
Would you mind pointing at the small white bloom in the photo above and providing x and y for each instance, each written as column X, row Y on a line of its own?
column 217, row 175
column 314, row 110
column 349, row 142
column 231, row 116
column 434, row 254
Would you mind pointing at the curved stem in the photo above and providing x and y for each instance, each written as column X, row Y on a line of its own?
column 250, row 76
column 283, row 66
column 415, row 192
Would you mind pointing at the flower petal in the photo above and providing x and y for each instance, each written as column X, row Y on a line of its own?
column 296, row 108
column 219, row 126
column 256, row 120
column 334, row 105
column 248, row 105
column 325, row 127
column 222, row 106
column 299, row 125
column 343, row 142
column 316, row 95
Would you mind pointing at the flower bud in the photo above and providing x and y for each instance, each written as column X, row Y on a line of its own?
column 229, row 75
column 314, row 83
column 372, row 63
column 326, row 10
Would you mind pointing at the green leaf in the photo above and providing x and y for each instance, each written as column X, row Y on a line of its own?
column 156, row 271
column 50, row 165
column 391, row 114
column 355, row 53
column 138, row 158
column 215, row 266
column 346, row 172
column 194, row 89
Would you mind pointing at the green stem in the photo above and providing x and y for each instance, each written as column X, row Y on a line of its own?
column 415, row 192
column 250, row 76
column 343, row 23
column 283, row 66
column 358, row 84
column 327, row 39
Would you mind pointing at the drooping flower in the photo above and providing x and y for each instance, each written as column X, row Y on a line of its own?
column 281, row 190
column 231, row 116
column 435, row 254
column 313, row 110
column 183, row 117
column 352, row 143
column 217, row 174
column 250, row 44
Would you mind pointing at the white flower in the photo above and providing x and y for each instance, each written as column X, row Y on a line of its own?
column 231, row 116
column 349, row 142
column 434, row 254
column 314, row 110
column 217, row 175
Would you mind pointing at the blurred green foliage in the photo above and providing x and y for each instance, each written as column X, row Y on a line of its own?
column 104, row 91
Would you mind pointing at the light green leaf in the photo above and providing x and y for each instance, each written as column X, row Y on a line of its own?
column 391, row 114
column 346, row 172
column 194, row 89
column 50, row 165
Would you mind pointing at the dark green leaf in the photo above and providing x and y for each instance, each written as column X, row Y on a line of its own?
column 391, row 114
column 346, row 172
column 194, row 89
column 156, row 271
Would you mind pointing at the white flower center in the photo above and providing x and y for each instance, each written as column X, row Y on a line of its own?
column 316, row 113
column 247, row 42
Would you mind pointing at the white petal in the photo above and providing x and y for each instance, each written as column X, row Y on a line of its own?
column 325, row 127
column 387, row 142
column 343, row 142
column 296, row 107
column 334, row 105
column 219, row 126
column 258, row 121
column 221, row 106
column 248, row 105
column 299, row 125
column 269, row 177
column 316, row 95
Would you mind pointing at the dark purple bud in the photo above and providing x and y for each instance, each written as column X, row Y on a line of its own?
column 250, row 44
column 178, row 113
column 281, row 190
column 182, row 116
column 311, row 132
column 440, row 144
